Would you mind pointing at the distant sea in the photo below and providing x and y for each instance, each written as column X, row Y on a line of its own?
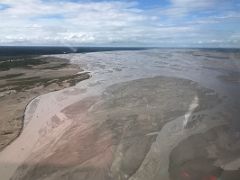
column 47, row 50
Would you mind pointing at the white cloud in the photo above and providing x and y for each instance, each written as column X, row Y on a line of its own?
column 101, row 23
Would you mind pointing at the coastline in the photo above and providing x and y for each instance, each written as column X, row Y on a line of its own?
column 78, row 118
column 15, row 98
column 16, row 152
column 115, row 125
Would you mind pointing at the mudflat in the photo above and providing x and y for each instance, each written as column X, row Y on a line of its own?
column 151, row 114
column 132, row 131
column 24, row 78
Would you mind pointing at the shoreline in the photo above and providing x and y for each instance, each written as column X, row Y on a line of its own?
column 70, row 113
column 18, row 151
column 14, row 97
column 115, row 124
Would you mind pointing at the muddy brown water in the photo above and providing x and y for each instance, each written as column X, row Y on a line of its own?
column 128, row 121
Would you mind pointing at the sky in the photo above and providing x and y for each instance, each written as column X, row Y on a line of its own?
column 142, row 23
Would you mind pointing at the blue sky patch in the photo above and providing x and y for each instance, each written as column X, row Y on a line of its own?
column 4, row 6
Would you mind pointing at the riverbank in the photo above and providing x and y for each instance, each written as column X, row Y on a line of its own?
column 142, row 115
column 126, row 132
column 24, row 78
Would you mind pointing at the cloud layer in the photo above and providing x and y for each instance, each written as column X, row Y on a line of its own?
column 178, row 23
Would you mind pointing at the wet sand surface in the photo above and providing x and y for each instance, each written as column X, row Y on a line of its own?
column 151, row 114
column 22, row 78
